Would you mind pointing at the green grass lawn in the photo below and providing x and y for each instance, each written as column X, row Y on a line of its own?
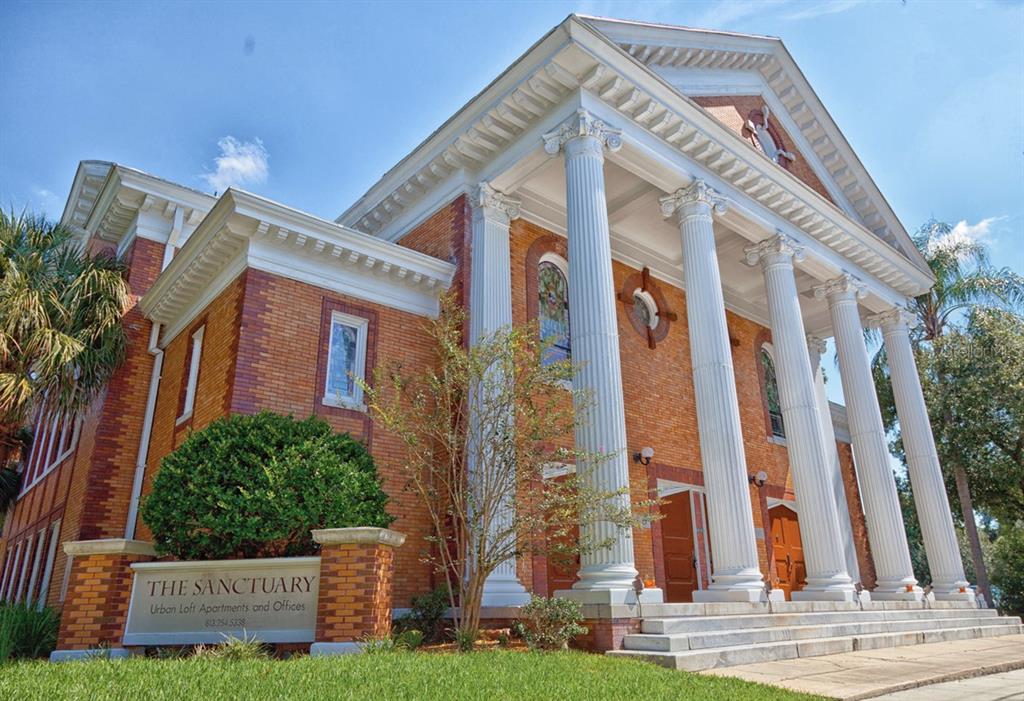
column 489, row 676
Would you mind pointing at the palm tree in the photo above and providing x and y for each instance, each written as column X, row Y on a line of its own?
column 61, row 334
column 965, row 280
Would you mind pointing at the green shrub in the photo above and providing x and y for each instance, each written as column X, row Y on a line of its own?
column 549, row 624
column 255, row 486
column 27, row 632
column 426, row 614
column 409, row 639
column 234, row 648
column 1008, row 570
column 465, row 640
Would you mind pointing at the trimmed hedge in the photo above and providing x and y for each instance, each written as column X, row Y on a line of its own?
column 255, row 486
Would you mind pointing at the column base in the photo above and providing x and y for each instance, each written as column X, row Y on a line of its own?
column 958, row 594
column 98, row 653
column 915, row 594
column 611, row 597
column 331, row 649
column 504, row 591
column 750, row 596
column 849, row 595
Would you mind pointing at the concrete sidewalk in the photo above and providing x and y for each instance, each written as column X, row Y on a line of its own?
column 995, row 687
column 871, row 673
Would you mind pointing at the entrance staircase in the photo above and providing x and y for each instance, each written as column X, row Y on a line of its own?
column 693, row 637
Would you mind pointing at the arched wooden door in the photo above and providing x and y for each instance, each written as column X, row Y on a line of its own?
column 787, row 549
column 677, row 547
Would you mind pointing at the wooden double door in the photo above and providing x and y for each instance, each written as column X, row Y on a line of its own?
column 787, row 549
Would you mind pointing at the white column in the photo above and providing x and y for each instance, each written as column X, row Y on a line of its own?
column 490, row 309
column 894, row 573
column 606, row 575
column 827, row 578
column 736, row 575
column 930, row 500
column 816, row 348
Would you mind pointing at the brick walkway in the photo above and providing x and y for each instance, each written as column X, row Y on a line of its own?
column 873, row 673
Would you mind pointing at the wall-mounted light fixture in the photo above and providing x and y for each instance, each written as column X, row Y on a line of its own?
column 644, row 456
column 759, row 478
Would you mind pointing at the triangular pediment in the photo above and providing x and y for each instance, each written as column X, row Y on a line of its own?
column 728, row 74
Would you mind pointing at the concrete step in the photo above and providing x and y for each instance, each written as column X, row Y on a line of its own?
column 687, row 624
column 671, row 642
column 725, row 656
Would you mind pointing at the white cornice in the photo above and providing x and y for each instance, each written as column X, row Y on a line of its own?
column 584, row 65
column 661, row 47
column 246, row 231
column 107, row 198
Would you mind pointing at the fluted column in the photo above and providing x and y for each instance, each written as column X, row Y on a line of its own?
column 930, row 500
column 895, row 575
column 490, row 309
column 816, row 348
column 827, row 578
column 736, row 575
column 606, row 575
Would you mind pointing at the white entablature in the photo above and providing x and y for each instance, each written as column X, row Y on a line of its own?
column 667, row 141
column 246, row 231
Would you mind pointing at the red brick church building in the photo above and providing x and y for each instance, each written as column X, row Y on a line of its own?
column 678, row 211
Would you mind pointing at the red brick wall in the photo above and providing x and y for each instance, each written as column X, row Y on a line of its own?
column 732, row 111
column 355, row 592
column 860, row 528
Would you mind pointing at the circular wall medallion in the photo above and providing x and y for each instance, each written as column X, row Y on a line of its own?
column 646, row 307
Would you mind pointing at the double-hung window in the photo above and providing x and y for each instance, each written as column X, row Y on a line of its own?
column 189, row 402
column 346, row 361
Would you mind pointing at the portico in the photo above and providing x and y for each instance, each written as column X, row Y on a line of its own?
column 595, row 135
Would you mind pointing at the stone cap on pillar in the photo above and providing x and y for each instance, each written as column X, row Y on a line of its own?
column 109, row 546
column 365, row 535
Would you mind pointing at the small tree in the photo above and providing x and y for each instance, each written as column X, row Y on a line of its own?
column 479, row 429
column 255, row 486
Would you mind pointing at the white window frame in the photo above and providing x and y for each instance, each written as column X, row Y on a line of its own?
column 24, row 569
column 44, row 585
column 362, row 327
column 8, row 560
column 36, row 564
column 193, row 375
column 770, row 350
column 40, row 463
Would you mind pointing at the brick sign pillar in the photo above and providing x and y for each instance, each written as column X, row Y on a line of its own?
column 357, row 567
column 99, row 590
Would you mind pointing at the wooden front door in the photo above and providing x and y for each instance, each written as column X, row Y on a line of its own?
column 677, row 546
column 787, row 549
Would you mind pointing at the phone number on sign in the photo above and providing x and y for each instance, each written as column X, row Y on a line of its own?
column 225, row 622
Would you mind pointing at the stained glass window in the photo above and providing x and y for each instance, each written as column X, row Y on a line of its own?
column 346, row 359
column 553, row 315
column 771, row 390
column 645, row 310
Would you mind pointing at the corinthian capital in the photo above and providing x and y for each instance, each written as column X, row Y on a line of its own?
column 699, row 192
column 895, row 319
column 845, row 285
column 816, row 344
column 777, row 247
column 489, row 198
column 583, row 123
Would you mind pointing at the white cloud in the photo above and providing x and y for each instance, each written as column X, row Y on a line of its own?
column 45, row 202
column 964, row 232
column 239, row 163
column 832, row 7
column 726, row 13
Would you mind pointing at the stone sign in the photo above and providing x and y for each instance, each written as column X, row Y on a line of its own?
column 183, row 603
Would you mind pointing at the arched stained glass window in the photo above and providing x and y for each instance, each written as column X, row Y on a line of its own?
column 771, row 391
column 553, row 310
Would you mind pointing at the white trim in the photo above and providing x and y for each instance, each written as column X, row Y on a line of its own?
column 109, row 546
column 358, row 372
column 68, row 561
column 36, row 562
column 24, row 568
column 666, row 488
column 558, row 469
column 9, row 556
column 193, row 375
column 652, row 306
column 790, row 504
column 9, row 593
column 44, row 585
